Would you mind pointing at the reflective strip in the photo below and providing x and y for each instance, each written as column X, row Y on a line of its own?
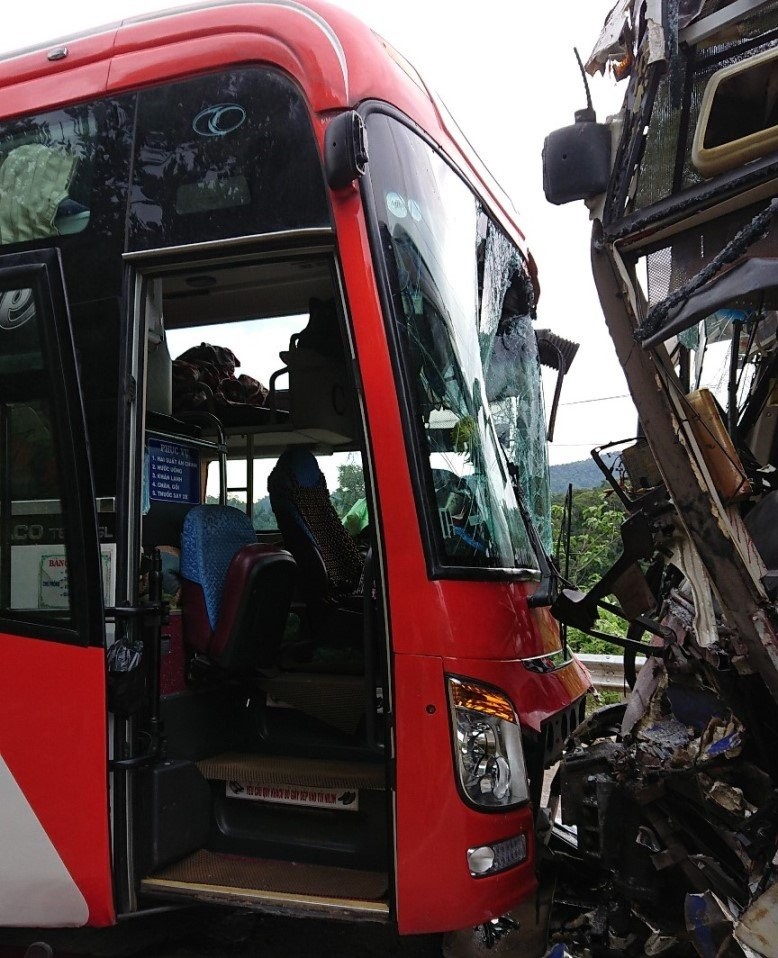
column 548, row 662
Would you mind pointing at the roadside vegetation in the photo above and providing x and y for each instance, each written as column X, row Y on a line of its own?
column 595, row 544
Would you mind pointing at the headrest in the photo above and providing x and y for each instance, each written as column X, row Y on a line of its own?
column 299, row 464
column 211, row 537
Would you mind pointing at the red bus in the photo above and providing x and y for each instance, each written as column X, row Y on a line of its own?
column 254, row 283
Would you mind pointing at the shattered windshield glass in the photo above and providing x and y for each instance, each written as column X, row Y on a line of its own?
column 509, row 352
column 435, row 238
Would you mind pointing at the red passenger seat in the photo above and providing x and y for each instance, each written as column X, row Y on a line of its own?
column 235, row 593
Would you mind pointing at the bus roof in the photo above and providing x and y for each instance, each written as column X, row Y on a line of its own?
column 337, row 60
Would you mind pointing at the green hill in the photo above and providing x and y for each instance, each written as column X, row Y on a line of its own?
column 584, row 474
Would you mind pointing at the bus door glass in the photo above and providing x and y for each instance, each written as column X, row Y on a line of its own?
column 53, row 749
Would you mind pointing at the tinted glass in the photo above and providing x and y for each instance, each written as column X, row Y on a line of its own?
column 64, row 178
column 33, row 555
column 46, row 171
column 509, row 351
column 231, row 154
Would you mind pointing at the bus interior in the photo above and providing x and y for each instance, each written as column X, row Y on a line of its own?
column 272, row 668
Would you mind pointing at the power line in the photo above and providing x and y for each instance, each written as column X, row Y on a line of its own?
column 581, row 402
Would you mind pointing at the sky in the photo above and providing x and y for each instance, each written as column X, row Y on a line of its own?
column 507, row 72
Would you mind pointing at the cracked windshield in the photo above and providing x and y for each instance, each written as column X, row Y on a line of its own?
column 464, row 306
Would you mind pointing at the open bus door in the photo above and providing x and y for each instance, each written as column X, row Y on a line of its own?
column 55, row 866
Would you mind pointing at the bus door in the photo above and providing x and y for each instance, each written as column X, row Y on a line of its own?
column 55, row 866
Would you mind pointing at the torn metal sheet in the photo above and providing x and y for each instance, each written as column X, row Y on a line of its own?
column 659, row 944
column 709, row 924
column 629, row 22
column 688, row 11
column 704, row 616
column 674, row 807
column 758, row 928
column 615, row 39
column 729, row 797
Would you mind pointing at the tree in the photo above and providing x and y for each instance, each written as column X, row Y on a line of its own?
column 351, row 487
column 595, row 540
column 595, row 544
column 262, row 515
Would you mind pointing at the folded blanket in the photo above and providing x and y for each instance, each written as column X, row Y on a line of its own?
column 34, row 180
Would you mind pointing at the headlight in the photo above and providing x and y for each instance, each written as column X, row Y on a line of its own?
column 487, row 745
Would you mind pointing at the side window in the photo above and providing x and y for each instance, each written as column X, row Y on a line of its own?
column 46, row 174
column 343, row 473
column 228, row 154
column 34, row 563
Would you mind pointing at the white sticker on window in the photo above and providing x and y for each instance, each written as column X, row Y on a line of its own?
column 396, row 205
column 415, row 210
column 53, row 582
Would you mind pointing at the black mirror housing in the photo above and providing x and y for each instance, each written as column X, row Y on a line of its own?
column 345, row 150
column 576, row 162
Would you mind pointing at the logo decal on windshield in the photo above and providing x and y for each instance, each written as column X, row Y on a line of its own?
column 396, row 205
column 219, row 120
column 17, row 307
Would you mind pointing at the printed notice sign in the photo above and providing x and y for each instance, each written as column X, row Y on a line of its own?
column 53, row 583
column 53, row 590
column 174, row 472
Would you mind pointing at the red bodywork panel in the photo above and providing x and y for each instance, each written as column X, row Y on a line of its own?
column 435, row 827
column 456, row 618
column 473, row 628
column 53, row 739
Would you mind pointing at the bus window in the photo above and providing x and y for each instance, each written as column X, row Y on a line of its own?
column 224, row 155
column 432, row 229
column 509, row 351
column 34, row 555
column 343, row 473
column 45, row 174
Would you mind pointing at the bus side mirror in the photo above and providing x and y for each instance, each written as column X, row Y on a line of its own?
column 556, row 353
column 576, row 161
column 345, row 149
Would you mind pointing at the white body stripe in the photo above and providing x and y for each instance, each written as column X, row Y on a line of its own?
column 36, row 889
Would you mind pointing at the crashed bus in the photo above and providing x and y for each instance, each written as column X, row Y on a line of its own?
column 668, row 802
column 247, row 260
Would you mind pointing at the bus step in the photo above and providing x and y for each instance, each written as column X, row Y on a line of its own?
column 336, row 700
column 320, row 811
column 285, row 771
column 277, row 887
